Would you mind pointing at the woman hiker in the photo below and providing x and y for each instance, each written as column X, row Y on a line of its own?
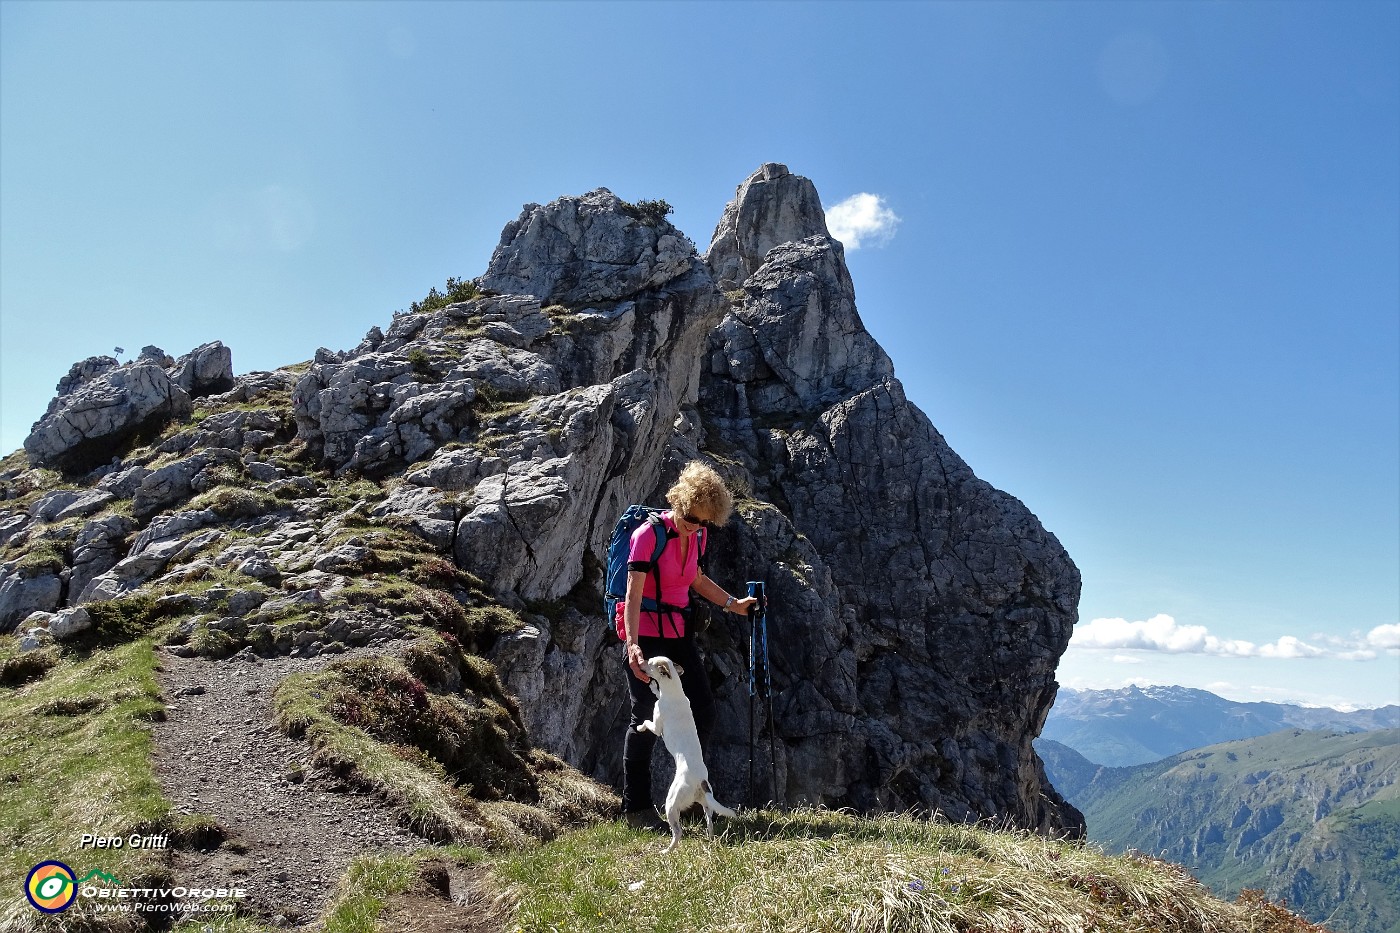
column 699, row 499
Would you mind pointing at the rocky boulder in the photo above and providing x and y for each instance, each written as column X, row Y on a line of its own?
column 98, row 548
column 23, row 592
column 205, row 370
column 584, row 250
column 100, row 409
column 771, row 207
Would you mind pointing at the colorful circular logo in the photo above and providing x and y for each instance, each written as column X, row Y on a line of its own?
column 50, row 887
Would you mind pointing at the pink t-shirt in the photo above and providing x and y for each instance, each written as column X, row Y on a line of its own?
column 675, row 579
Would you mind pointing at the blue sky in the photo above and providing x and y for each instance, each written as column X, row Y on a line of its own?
column 1145, row 274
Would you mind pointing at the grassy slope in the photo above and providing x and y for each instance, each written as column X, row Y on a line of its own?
column 75, row 757
column 813, row 870
column 807, row 870
column 1368, row 835
column 821, row 870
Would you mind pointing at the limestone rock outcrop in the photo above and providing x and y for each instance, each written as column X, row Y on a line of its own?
column 585, row 250
column 205, row 370
column 491, row 440
column 103, row 405
column 549, row 399
column 923, row 611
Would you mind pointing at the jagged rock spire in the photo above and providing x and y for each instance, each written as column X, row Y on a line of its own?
column 772, row 206
column 925, row 610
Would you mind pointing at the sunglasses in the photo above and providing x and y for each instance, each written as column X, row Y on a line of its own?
column 697, row 521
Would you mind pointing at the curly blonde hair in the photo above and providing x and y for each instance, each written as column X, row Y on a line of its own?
column 700, row 487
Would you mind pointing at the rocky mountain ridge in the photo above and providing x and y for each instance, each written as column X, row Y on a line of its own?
column 444, row 490
column 1135, row 725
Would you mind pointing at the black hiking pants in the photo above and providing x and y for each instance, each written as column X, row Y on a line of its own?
column 637, row 746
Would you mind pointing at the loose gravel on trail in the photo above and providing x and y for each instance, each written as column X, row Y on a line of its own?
column 292, row 828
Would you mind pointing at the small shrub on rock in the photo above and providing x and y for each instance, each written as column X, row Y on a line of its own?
column 650, row 213
column 456, row 290
column 422, row 365
column 213, row 643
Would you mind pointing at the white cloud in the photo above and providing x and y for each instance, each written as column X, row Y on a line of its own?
column 1384, row 638
column 861, row 220
column 1163, row 633
column 1290, row 647
column 1159, row 633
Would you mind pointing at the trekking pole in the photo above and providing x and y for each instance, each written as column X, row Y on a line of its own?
column 768, row 699
column 758, row 658
column 753, row 681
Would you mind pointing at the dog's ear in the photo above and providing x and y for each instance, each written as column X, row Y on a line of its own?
column 679, row 670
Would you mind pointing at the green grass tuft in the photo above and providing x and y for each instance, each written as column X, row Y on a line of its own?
column 364, row 888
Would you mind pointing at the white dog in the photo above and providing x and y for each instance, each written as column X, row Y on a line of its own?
column 673, row 721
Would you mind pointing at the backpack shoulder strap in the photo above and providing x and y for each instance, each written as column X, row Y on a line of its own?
column 660, row 534
column 658, row 529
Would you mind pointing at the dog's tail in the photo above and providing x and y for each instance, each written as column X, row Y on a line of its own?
column 714, row 804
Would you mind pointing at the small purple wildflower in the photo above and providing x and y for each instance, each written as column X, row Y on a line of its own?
column 916, row 885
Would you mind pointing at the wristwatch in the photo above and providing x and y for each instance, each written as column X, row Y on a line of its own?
column 728, row 602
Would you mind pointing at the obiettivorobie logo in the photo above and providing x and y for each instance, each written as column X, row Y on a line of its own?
column 53, row 887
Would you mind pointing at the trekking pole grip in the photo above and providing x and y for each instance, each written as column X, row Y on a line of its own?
column 756, row 591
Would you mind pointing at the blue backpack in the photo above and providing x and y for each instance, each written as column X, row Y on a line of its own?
column 619, row 548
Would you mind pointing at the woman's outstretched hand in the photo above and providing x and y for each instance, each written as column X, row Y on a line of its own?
column 635, row 658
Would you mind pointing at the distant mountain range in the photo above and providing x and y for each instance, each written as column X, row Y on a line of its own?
column 1137, row 725
column 1313, row 818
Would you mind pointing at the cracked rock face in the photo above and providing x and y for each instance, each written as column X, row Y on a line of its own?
column 772, row 207
column 919, row 613
column 923, row 612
